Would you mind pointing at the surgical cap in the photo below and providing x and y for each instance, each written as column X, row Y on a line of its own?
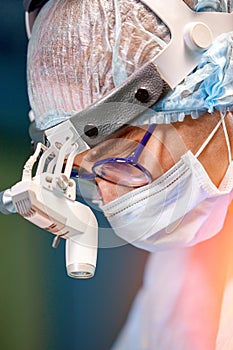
column 80, row 50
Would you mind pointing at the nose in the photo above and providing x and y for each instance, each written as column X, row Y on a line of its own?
column 110, row 191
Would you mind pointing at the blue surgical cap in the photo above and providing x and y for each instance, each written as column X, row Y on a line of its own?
column 208, row 87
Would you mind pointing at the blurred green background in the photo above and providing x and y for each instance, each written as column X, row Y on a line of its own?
column 40, row 307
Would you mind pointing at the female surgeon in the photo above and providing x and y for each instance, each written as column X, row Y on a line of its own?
column 175, row 201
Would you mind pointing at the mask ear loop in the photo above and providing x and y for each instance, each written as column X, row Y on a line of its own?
column 223, row 114
column 209, row 138
column 211, row 135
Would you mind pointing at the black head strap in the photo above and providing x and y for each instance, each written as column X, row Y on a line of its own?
column 118, row 108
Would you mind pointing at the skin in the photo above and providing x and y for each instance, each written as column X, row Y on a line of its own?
column 164, row 149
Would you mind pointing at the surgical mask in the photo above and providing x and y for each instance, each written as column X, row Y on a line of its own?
column 180, row 208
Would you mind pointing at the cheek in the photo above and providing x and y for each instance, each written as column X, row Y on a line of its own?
column 110, row 191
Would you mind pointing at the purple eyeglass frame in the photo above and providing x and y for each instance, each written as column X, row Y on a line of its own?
column 132, row 160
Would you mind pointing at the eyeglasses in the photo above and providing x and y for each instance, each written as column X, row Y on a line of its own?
column 122, row 171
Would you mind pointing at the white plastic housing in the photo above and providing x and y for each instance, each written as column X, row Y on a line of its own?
column 178, row 59
column 63, row 217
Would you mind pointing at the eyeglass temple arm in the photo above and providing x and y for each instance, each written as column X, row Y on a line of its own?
column 143, row 143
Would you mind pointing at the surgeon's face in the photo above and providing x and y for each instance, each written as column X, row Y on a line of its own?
column 72, row 65
column 167, row 144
